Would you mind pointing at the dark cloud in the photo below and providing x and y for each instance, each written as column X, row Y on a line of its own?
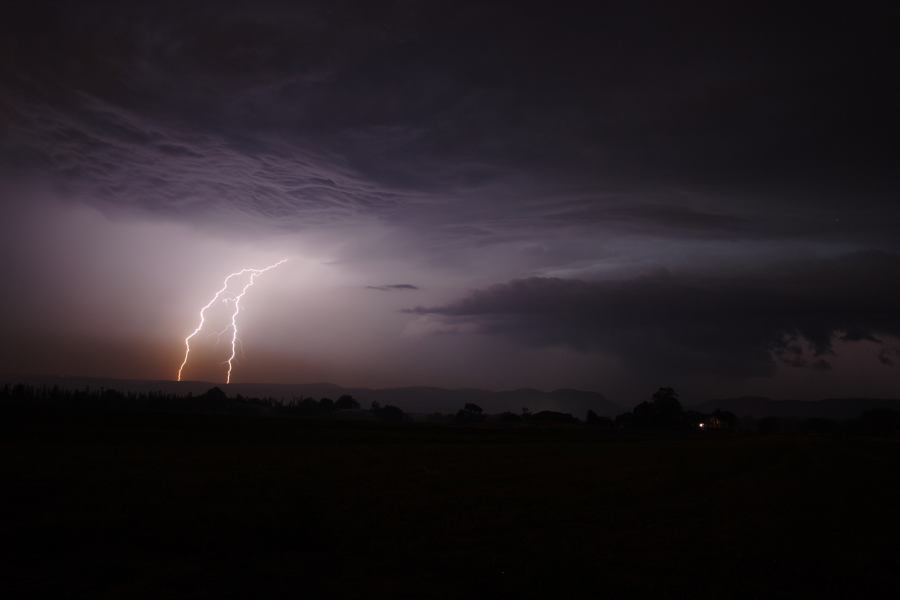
column 737, row 324
column 393, row 287
column 461, row 144
column 688, row 123
column 121, row 161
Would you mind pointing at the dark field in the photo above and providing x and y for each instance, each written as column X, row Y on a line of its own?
column 150, row 506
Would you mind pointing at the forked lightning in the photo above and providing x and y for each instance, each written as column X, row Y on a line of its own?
column 236, row 303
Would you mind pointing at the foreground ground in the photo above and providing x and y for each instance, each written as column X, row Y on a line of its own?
column 144, row 506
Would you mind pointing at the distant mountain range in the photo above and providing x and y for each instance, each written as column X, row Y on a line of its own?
column 830, row 408
column 421, row 400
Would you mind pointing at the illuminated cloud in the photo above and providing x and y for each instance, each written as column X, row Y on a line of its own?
column 121, row 162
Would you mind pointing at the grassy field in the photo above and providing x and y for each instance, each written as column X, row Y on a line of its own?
column 145, row 506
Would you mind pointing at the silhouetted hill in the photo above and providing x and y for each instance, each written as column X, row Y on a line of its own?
column 829, row 408
column 410, row 399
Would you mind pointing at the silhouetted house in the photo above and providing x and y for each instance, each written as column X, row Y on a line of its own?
column 720, row 420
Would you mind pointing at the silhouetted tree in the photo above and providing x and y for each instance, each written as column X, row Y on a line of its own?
column 666, row 404
column 215, row 395
column 663, row 411
column 346, row 402
column 470, row 413
column 388, row 412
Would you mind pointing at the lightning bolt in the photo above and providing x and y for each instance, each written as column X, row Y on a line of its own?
column 237, row 309
column 254, row 273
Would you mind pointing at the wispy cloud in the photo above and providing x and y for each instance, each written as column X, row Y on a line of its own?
column 123, row 161
column 392, row 287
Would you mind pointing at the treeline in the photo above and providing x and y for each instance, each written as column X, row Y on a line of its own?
column 662, row 413
column 36, row 398
column 665, row 413
column 346, row 404
column 31, row 398
column 876, row 421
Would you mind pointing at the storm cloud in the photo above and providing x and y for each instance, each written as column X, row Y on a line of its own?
column 707, row 189
column 120, row 162
column 573, row 121
column 737, row 325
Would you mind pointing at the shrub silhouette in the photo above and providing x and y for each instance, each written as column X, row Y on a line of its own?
column 346, row 402
column 470, row 413
column 387, row 412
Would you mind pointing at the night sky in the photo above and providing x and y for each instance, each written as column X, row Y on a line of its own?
column 480, row 194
